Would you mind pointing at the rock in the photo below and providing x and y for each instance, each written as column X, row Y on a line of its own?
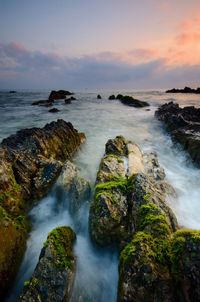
column 76, row 186
column 122, row 186
column 54, row 274
column 13, row 235
column 185, row 256
column 119, row 97
column 185, row 90
column 67, row 101
column 46, row 103
column 99, row 97
column 58, row 95
column 12, row 91
column 184, row 126
column 30, row 162
column 112, row 97
column 130, row 101
column 72, row 98
column 54, row 110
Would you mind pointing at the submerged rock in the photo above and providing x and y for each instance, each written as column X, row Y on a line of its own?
column 77, row 187
column 183, row 125
column 30, row 162
column 54, row 110
column 99, row 96
column 54, row 274
column 46, row 103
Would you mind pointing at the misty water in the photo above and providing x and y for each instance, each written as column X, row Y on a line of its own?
column 97, row 269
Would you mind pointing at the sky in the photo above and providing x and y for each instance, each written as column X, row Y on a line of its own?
column 104, row 44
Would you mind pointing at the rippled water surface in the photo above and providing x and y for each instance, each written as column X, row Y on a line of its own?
column 97, row 270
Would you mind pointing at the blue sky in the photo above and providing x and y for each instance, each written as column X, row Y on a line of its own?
column 99, row 44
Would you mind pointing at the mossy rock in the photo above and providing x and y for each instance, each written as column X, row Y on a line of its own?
column 54, row 274
column 13, row 235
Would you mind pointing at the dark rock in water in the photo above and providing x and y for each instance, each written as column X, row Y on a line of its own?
column 60, row 94
column 54, row 274
column 185, row 90
column 112, row 97
column 98, row 96
column 67, row 101
column 12, row 91
column 130, row 101
column 54, row 110
column 30, row 161
column 72, row 98
column 43, row 103
column 119, row 96
column 184, row 126
column 77, row 187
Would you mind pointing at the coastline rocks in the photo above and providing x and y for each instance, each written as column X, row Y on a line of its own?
column 54, row 274
column 185, row 90
column 58, row 95
column 121, row 185
column 130, row 101
column 76, row 186
column 183, row 125
column 30, row 162
column 99, row 97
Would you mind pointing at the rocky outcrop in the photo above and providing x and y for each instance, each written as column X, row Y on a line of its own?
column 184, row 90
column 30, row 162
column 99, row 97
column 54, row 274
column 75, row 185
column 157, row 262
column 45, row 103
column 112, row 97
column 58, row 95
column 183, row 125
column 126, row 175
column 130, row 101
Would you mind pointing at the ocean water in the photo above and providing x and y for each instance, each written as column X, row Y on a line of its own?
column 97, row 269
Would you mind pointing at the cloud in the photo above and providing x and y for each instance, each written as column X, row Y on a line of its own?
column 22, row 68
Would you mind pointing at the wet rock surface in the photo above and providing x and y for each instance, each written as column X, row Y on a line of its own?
column 30, row 162
column 184, row 126
column 157, row 262
column 75, row 185
column 113, row 213
column 54, row 274
column 59, row 94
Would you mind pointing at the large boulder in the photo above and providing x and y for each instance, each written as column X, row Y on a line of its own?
column 30, row 162
column 184, row 126
column 58, row 95
column 125, row 177
column 77, row 188
column 54, row 274
column 130, row 101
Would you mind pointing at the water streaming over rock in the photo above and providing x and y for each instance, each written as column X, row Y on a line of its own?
column 97, row 269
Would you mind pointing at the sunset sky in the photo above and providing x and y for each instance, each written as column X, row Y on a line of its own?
column 104, row 44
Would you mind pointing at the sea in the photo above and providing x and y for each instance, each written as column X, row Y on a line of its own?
column 100, row 119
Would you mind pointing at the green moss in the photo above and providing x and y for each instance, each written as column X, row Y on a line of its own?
column 152, row 219
column 108, row 194
column 118, row 158
column 60, row 241
column 27, row 283
column 118, row 183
